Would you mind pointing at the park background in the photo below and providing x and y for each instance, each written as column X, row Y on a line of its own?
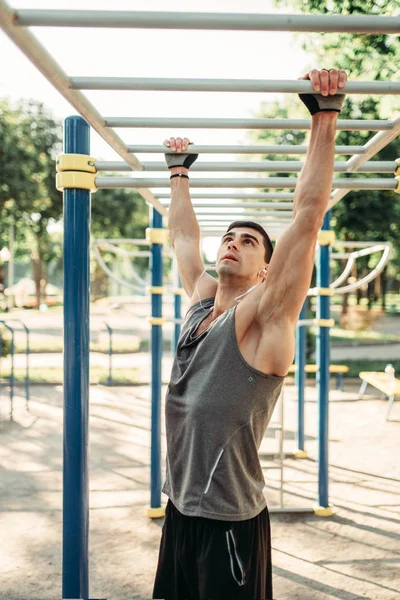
column 353, row 555
column 31, row 115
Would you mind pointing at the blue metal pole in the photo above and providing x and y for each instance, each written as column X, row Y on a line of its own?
column 110, row 353
column 75, row 576
column 177, row 314
column 301, row 348
column 12, row 377
column 156, row 362
column 27, row 378
column 12, row 351
column 323, row 360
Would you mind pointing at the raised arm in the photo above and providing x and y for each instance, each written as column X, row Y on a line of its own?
column 290, row 271
column 183, row 227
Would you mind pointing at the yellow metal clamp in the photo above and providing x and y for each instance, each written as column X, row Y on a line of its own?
column 156, row 513
column 156, row 236
column 397, row 169
column 324, row 511
column 397, row 189
column 76, row 180
column 323, row 291
column 179, row 292
column 324, row 322
column 300, row 454
column 326, row 238
column 76, row 162
column 155, row 290
column 156, row 320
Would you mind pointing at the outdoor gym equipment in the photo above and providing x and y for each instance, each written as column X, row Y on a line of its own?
column 77, row 177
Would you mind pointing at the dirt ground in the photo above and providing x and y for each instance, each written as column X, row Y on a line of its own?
column 354, row 554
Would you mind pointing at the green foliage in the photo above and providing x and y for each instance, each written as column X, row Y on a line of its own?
column 365, row 55
column 5, row 345
column 30, row 140
column 360, row 215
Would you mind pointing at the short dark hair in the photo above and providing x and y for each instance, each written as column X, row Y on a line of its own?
column 269, row 249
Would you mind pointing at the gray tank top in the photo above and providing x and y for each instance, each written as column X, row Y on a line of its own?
column 217, row 410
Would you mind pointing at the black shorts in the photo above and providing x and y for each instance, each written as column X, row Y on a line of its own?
column 206, row 559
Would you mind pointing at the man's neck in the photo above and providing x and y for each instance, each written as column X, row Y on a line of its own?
column 227, row 291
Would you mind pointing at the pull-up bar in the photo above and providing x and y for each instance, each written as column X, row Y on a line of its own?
column 235, row 196
column 269, row 166
column 261, row 182
column 206, row 21
column 257, row 149
column 224, row 85
column 298, row 124
column 265, row 206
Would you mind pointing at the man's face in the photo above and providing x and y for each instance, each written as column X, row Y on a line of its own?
column 241, row 253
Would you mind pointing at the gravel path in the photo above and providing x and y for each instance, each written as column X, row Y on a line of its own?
column 354, row 554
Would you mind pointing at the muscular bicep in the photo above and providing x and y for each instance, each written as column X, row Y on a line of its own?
column 191, row 267
column 289, row 273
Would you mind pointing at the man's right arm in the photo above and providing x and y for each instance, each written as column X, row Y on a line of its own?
column 184, row 233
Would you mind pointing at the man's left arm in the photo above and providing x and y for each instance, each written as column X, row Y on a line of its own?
column 290, row 270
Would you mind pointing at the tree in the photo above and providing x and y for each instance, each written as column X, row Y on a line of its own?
column 30, row 139
column 371, row 56
column 117, row 213
column 372, row 215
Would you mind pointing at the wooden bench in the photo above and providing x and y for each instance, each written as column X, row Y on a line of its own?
column 379, row 380
column 338, row 370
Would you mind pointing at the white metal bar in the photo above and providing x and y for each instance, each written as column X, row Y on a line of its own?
column 135, row 242
column 158, row 84
column 266, row 218
column 264, row 206
column 218, row 232
column 108, row 271
column 258, row 149
column 374, row 273
column 208, row 21
column 234, row 196
column 372, row 147
column 39, row 56
column 201, row 123
column 243, row 214
column 351, row 258
column 264, row 166
column 343, row 244
column 261, row 182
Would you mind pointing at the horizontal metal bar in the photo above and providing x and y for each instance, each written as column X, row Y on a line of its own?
column 245, row 205
column 45, row 63
column 219, row 231
column 265, row 166
column 297, row 124
column 243, row 213
column 372, row 147
column 234, row 196
column 274, row 217
column 261, row 182
column 258, row 149
column 343, row 244
column 207, row 21
column 284, row 86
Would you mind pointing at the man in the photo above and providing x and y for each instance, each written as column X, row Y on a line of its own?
column 237, row 344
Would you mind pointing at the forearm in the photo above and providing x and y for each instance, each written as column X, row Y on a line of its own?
column 315, row 180
column 181, row 216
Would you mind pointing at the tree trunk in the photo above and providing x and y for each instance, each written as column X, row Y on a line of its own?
column 37, row 277
column 383, row 290
column 345, row 299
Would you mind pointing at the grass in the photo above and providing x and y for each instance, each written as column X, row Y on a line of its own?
column 135, row 344
column 350, row 335
column 99, row 375
column 54, row 375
